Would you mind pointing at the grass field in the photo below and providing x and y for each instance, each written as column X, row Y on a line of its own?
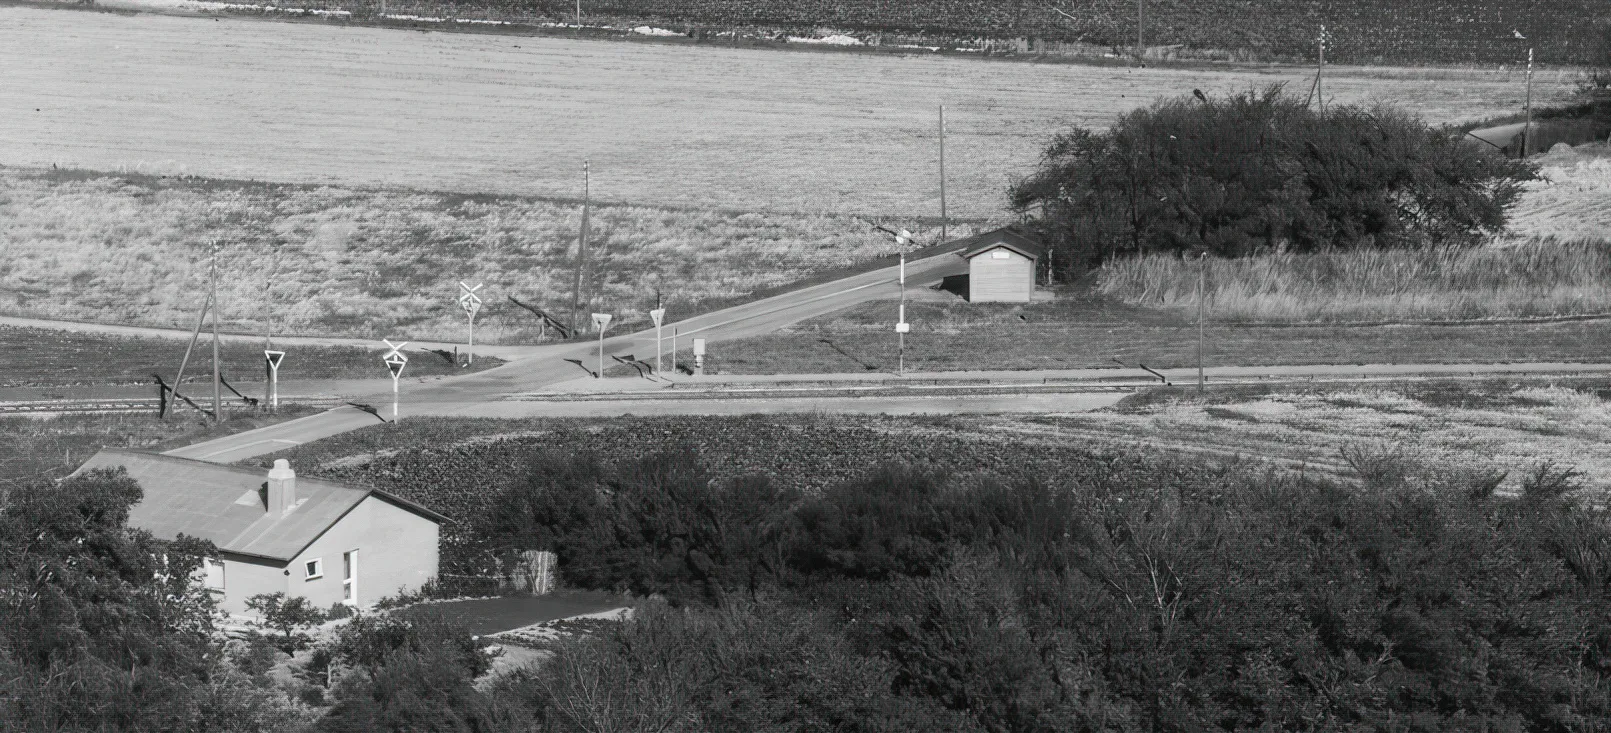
column 749, row 129
column 364, row 262
column 56, row 446
column 1508, row 425
column 32, row 357
column 1087, row 330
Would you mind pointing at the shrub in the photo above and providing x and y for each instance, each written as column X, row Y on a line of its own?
column 287, row 616
column 1263, row 170
column 410, row 671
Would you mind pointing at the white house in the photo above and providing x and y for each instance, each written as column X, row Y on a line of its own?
column 325, row 541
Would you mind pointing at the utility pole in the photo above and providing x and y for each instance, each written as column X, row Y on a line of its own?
column 218, row 401
column 1202, row 277
column 1320, row 91
column 944, row 221
column 1527, row 128
column 578, row 13
column 581, row 250
column 1141, row 48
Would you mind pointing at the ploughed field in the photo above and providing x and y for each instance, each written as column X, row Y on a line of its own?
column 1361, row 31
column 685, row 125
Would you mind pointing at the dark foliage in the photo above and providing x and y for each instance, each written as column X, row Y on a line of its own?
column 1141, row 597
column 103, row 625
column 410, row 672
column 1263, row 170
column 289, row 617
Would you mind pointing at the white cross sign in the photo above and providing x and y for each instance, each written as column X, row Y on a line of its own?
column 903, row 237
column 601, row 321
column 468, row 300
column 397, row 351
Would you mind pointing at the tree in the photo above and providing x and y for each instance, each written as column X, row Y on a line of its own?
column 105, row 626
column 288, row 616
column 1262, row 169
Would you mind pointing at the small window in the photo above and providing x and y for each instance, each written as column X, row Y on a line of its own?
column 315, row 569
column 999, row 254
column 215, row 575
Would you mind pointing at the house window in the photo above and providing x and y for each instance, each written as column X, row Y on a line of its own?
column 349, row 578
column 215, row 574
column 314, row 569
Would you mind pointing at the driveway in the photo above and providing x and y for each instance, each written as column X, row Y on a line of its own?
column 486, row 616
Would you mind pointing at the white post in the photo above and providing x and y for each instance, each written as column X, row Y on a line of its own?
column 674, row 330
column 469, row 349
column 395, row 416
column 601, row 321
column 1527, row 129
column 900, row 325
column 659, row 315
column 1202, row 277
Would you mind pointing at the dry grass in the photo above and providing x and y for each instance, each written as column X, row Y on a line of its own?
column 699, row 126
column 371, row 263
column 1555, row 260
column 1509, row 426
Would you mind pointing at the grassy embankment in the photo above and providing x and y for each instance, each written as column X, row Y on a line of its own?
column 31, row 357
column 367, row 263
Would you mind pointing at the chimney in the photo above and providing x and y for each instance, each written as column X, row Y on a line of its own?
column 281, row 488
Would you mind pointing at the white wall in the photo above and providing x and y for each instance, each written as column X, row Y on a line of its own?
column 994, row 279
column 242, row 580
column 397, row 550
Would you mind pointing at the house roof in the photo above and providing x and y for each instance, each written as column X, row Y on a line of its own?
column 1009, row 237
column 224, row 504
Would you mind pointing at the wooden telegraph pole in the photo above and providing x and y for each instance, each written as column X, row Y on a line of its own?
column 1141, row 48
column 218, row 401
column 581, row 251
column 1202, row 277
column 944, row 220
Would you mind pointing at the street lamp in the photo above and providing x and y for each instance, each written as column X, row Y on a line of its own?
column 901, row 326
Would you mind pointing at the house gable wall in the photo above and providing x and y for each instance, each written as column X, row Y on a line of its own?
column 397, row 550
column 246, row 578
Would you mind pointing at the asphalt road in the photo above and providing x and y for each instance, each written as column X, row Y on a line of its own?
column 545, row 365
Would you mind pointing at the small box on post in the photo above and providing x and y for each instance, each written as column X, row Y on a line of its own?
column 699, row 357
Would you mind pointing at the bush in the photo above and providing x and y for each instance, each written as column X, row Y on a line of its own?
column 1263, row 170
column 410, row 671
column 288, row 617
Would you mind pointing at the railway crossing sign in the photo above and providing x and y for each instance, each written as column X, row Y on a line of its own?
column 395, row 361
column 272, row 359
column 471, row 303
column 658, row 314
column 468, row 300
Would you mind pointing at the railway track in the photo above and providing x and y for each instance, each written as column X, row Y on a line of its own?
column 120, row 405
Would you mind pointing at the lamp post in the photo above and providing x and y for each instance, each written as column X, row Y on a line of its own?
column 901, row 326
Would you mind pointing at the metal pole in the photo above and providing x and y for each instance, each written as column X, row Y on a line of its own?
column 1527, row 129
column 944, row 221
column 469, row 359
column 901, row 334
column 201, row 320
column 674, row 330
column 658, row 365
column 1202, row 270
column 578, row 13
column 601, row 353
column 218, row 401
column 395, row 416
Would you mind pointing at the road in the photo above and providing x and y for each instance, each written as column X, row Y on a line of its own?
column 545, row 365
